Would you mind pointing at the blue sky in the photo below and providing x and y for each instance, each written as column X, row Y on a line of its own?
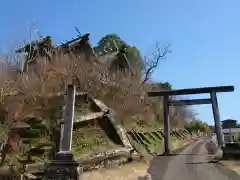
column 205, row 36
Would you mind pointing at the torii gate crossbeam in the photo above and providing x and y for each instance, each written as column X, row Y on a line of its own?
column 212, row 100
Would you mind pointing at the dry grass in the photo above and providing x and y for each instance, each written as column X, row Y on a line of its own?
column 31, row 94
column 232, row 164
column 129, row 171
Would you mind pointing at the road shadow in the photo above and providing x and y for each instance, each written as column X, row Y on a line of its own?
column 204, row 154
column 181, row 154
column 203, row 162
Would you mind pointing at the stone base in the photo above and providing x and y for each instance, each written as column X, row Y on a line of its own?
column 62, row 167
column 166, row 153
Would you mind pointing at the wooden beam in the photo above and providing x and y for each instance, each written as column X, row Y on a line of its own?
column 192, row 91
column 189, row 102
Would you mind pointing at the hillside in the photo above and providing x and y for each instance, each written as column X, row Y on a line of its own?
column 31, row 108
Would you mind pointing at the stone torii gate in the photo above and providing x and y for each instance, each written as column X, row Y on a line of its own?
column 212, row 100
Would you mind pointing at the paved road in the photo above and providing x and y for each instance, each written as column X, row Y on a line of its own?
column 193, row 163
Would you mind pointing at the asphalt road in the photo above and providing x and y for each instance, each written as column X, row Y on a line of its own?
column 191, row 163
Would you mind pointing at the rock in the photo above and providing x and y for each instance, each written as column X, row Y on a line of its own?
column 219, row 153
column 146, row 177
column 135, row 156
column 80, row 170
column 211, row 147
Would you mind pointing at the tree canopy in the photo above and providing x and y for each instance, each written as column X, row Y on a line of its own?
column 197, row 125
column 111, row 43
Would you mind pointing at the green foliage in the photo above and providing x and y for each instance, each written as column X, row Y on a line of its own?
column 109, row 43
column 108, row 40
column 29, row 48
column 135, row 59
column 40, row 136
column 197, row 125
column 89, row 140
column 81, row 141
column 34, row 142
column 166, row 85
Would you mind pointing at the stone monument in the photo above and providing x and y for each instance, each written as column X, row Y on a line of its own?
column 63, row 166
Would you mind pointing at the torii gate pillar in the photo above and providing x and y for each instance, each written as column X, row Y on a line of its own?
column 166, row 125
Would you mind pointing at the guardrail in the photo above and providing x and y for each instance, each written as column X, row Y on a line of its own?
column 153, row 141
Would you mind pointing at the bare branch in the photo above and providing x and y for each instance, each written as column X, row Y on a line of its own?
column 150, row 64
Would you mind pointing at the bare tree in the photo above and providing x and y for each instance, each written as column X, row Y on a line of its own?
column 151, row 63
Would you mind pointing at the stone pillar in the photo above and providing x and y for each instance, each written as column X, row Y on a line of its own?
column 166, row 125
column 64, row 167
column 216, row 115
